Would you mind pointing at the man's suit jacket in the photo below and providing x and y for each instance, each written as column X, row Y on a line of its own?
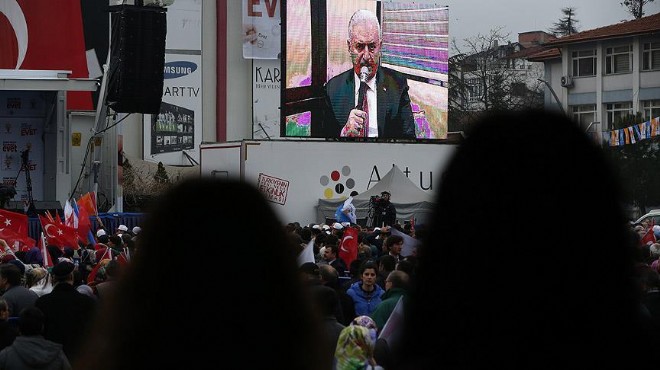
column 395, row 117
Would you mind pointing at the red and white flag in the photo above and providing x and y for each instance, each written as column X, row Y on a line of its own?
column 57, row 233
column 48, row 261
column 14, row 228
column 348, row 247
column 45, row 35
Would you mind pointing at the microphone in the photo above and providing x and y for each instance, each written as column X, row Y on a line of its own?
column 364, row 74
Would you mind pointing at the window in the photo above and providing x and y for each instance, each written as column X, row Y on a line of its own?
column 651, row 56
column 584, row 63
column 584, row 115
column 617, row 112
column 474, row 89
column 651, row 109
column 618, row 59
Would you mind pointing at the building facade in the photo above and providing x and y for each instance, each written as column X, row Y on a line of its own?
column 600, row 76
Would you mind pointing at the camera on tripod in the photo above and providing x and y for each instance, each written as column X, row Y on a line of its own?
column 375, row 200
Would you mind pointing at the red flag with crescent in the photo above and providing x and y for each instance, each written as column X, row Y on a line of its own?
column 348, row 247
column 57, row 233
column 45, row 35
column 14, row 227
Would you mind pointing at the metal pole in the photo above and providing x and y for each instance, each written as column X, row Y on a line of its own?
column 553, row 94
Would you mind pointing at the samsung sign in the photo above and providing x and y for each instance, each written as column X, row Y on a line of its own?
column 178, row 69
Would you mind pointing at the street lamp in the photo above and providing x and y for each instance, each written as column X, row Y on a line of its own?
column 553, row 94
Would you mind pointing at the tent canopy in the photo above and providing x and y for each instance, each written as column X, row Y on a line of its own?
column 410, row 201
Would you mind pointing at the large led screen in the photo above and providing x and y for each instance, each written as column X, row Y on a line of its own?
column 408, row 78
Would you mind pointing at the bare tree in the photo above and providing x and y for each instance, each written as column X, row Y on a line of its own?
column 484, row 77
column 567, row 25
column 636, row 7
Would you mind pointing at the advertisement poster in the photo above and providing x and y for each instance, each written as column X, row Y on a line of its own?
column 21, row 130
column 173, row 135
column 266, row 78
column 261, row 29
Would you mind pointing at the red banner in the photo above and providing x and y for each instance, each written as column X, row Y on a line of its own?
column 46, row 35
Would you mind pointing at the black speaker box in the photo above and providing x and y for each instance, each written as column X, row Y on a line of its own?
column 137, row 59
column 54, row 207
column 15, row 206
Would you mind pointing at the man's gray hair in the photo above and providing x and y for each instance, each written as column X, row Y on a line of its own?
column 363, row 16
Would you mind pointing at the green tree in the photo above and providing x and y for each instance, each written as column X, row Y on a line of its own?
column 161, row 176
column 636, row 7
column 567, row 25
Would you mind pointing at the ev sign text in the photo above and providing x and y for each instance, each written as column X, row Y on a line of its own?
column 261, row 29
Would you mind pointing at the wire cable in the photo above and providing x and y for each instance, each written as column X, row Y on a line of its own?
column 88, row 150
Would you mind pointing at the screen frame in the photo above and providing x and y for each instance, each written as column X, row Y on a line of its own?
column 310, row 98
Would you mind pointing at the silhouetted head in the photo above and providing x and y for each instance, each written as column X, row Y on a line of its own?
column 528, row 258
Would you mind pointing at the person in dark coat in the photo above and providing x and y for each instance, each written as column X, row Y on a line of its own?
column 326, row 302
column 8, row 330
column 30, row 350
column 67, row 311
column 17, row 296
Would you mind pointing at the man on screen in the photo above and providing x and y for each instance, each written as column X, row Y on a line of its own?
column 369, row 100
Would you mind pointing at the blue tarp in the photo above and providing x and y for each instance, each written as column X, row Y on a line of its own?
column 109, row 220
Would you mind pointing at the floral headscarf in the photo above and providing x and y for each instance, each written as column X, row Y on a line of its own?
column 368, row 323
column 355, row 348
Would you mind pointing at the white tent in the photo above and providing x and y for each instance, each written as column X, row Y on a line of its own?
column 410, row 201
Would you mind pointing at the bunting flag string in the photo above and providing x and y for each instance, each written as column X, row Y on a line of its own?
column 633, row 134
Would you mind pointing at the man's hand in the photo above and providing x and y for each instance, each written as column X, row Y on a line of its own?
column 355, row 123
column 3, row 245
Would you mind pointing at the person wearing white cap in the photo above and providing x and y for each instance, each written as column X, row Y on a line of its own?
column 121, row 229
column 136, row 230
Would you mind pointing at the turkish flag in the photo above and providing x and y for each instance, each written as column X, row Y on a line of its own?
column 348, row 247
column 45, row 35
column 14, row 227
column 58, row 233
column 17, row 222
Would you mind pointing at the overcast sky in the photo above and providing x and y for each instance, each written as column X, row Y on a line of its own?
column 467, row 18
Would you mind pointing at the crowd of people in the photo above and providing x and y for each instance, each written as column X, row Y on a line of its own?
column 504, row 275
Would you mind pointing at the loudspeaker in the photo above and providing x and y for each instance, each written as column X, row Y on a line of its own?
column 137, row 59
column 15, row 206
column 52, row 206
